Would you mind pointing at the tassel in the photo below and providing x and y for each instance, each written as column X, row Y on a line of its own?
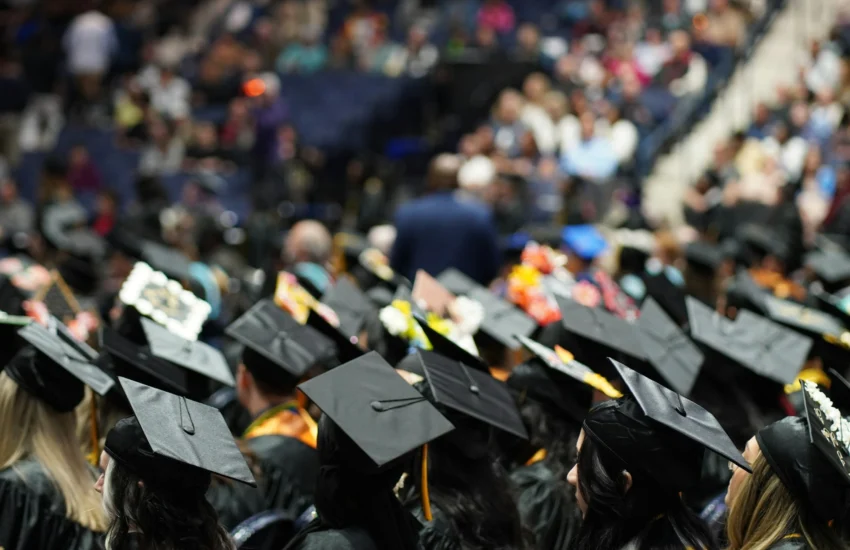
column 311, row 424
column 426, row 500
column 94, row 456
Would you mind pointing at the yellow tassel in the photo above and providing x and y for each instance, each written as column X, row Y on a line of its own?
column 426, row 500
column 311, row 424
column 94, row 456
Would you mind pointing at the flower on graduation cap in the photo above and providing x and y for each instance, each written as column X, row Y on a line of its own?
column 833, row 420
column 394, row 320
column 467, row 314
column 397, row 319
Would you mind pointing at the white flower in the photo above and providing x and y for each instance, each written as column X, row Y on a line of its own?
column 467, row 314
column 393, row 320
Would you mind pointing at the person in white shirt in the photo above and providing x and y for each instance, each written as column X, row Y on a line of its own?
column 621, row 133
column 169, row 93
column 90, row 44
column 534, row 115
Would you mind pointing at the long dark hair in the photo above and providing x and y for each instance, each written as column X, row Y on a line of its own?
column 469, row 487
column 644, row 514
column 152, row 517
column 554, row 433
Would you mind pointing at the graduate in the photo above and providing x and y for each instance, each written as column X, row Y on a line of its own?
column 471, row 501
column 798, row 495
column 157, row 466
column 637, row 455
column 47, row 497
column 373, row 422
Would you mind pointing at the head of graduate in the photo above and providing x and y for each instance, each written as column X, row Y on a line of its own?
column 637, row 456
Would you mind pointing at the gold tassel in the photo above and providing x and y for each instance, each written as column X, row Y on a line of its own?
column 426, row 500
column 311, row 424
column 94, row 456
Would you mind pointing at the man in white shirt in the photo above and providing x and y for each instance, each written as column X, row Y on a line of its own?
column 90, row 43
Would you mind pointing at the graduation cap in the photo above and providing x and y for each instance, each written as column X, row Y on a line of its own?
column 502, row 320
column 277, row 347
column 764, row 241
column 174, row 442
column 58, row 298
column 195, row 356
column 351, row 305
column 375, row 263
column 127, row 359
column 669, row 295
column 166, row 259
column 831, row 267
column 659, row 432
column 675, row 358
column 53, row 371
column 810, row 455
column 470, row 392
column 430, row 295
column 604, row 330
column 456, row 281
column 839, row 390
column 382, row 414
column 152, row 294
column 347, row 348
column 449, row 348
column 9, row 326
column 584, row 240
column 807, row 320
column 743, row 293
column 755, row 343
column 703, row 256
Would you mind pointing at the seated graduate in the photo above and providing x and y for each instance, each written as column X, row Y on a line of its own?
column 372, row 422
column 637, row 455
column 46, row 496
column 553, row 398
column 281, row 439
column 470, row 496
column 798, row 496
column 157, row 466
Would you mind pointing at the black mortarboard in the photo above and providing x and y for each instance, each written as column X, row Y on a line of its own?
column 659, row 432
column 669, row 295
column 12, row 343
column 675, row 358
column 346, row 346
column 136, row 362
column 195, row 356
column 799, row 317
column 373, row 405
column 839, row 390
column 174, row 442
column 447, row 347
column 743, row 293
column 470, row 392
column 607, row 332
column 764, row 241
column 54, row 371
column 278, row 348
column 350, row 304
column 751, row 341
column 809, row 456
column 831, row 267
column 152, row 294
column 166, row 259
column 456, row 281
column 376, row 266
column 58, row 298
column 704, row 256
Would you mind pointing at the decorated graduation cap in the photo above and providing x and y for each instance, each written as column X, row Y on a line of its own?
column 557, row 380
column 468, row 391
column 757, row 344
column 346, row 345
column 174, row 443
column 659, row 432
column 278, row 350
column 430, row 295
column 197, row 357
column 447, row 347
column 810, row 455
column 585, row 241
column 53, row 371
column 672, row 354
column 351, row 305
column 373, row 405
column 456, row 281
column 152, row 294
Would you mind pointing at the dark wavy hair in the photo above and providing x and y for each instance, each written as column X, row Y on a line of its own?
column 645, row 514
column 159, row 518
column 554, row 433
column 470, row 488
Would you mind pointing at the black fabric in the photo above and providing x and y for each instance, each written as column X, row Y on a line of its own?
column 437, row 534
column 33, row 513
column 346, row 498
column 546, row 506
column 315, row 537
column 45, row 380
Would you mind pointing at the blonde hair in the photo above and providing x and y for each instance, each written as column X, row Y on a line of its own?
column 764, row 513
column 49, row 437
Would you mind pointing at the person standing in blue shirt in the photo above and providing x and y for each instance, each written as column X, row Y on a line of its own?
column 444, row 229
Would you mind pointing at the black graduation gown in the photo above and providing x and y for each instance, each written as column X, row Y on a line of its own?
column 315, row 537
column 437, row 534
column 546, row 506
column 287, row 480
column 32, row 513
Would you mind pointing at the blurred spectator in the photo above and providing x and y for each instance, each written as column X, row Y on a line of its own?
column 131, row 110
column 441, row 230
column 823, row 68
column 506, row 124
column 106, row 212
column 380, row 56
column 204, row 153
column 825, row 115
column 593, row 158
column 416, row 58
column 534, row 115
column 90, row 43
column 308, row 55
column 621, row 63
column 365, row 28
column 528, row 43
column 13, row 99
column 237, row 132
column 486, row 47
column 83, row 175
column 727, row 26
column 307, row 252
column 16, row 214
column 169, row 93
column 672, row 16
column 789, row 150
column 497, row 15
column 652, row 52
column 760, row 127
column 686, row 71
column 621, row 133
column 164, row 153
column 269, row 114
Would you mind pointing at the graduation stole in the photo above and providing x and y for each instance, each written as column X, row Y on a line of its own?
column 285, row 419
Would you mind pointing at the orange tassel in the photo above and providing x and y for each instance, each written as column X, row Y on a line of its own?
column 94, row 457
column 426, row 500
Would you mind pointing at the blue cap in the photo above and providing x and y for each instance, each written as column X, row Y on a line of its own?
column 584, row 240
